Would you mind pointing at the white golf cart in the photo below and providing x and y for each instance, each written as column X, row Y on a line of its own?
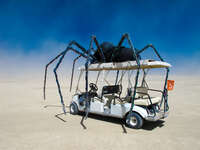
column 136, row 106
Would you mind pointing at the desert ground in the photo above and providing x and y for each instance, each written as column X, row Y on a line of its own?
column 27, row 122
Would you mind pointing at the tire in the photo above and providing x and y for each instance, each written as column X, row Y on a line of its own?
column 73, row 109
column 134, row 120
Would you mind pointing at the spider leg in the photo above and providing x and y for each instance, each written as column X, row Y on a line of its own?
column 122, row 39
column 82, row 48
column 150, row 45
column 61, row 56
column 98, row 47
column 84, row 54
column 55, row 72
column 58, row 84
column 126, row 36
column 72, row 75
column 86, row 81
column 85, row 51
column 45, row 75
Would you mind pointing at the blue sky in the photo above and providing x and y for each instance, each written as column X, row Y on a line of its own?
column 173, row 26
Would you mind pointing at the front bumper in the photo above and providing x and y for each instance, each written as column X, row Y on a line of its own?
column 159, row 115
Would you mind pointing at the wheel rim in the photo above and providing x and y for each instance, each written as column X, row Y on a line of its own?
column 72, row 108
column 133, row 121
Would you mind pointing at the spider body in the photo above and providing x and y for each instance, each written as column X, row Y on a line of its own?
column 114, row 53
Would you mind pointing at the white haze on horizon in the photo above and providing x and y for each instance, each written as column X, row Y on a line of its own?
column 19, row 64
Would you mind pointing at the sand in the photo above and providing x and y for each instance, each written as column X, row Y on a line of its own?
column 27, row 122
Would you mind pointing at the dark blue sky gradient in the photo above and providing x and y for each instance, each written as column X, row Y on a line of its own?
column 173, row 26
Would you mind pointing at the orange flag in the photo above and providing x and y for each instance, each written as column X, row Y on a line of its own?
column 170, row 85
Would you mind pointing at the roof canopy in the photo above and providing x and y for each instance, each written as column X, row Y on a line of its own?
column 128, row 65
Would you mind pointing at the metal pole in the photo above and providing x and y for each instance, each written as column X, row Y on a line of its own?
column 164, row 95
column 137, row 75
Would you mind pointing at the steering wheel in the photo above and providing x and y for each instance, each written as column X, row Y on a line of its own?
column 93, row 87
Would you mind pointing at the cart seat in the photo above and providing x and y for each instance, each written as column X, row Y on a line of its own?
column 112, row 89
column 146, row 102
column 142, row 97
column 111, row 92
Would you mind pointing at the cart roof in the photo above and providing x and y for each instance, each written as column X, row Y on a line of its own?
column 128, row 65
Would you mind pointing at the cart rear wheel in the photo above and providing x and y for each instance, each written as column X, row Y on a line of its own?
column 73, row 109
column 134, row 120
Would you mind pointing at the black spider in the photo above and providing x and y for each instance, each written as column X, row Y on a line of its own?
column 106, row 52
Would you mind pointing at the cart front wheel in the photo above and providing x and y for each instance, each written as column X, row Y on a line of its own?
column 134, row 120
column 73, row 109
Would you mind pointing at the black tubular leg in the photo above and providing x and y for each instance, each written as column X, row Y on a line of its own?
column 62, row 55
column 134, row 94
column 86, row 90
column 134, row 53
column 150, row 45
column 98, row 47
column 97, row 77
column 80, row 47
column 126, row 36
column 74, row 50
column 117, row 76
column 165, row 92
column 72, row 75
column 45, row 75
column 122, row 123
column 123, row 127
column 60, row 61
column 122, row 39
column 86, row 78
column 58, row 84
column 86, row 85
column 84, row 127
column 86, row 97
column 84, row 54
column 144, row 83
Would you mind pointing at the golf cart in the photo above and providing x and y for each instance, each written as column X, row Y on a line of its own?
column 135, row 106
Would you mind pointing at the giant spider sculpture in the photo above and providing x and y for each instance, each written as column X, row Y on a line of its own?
column 105, row 52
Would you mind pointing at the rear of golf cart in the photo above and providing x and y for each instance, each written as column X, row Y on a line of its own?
column 149, row 107
column 133, row 108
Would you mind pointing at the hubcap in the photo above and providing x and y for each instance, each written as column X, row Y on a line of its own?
column 133, row 121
